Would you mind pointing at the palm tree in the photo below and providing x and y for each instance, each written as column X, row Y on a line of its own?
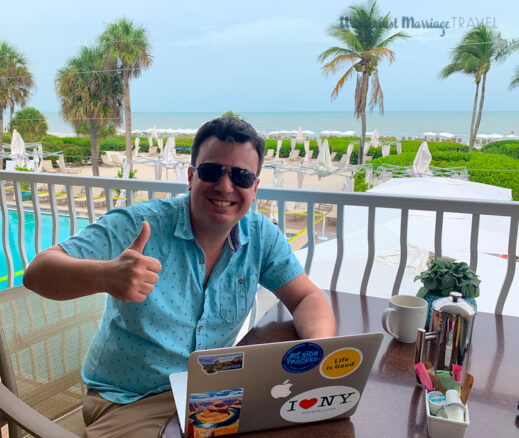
column 89, row 95
column 127, row 51
column 479, row 48
column 16, row 80
column 515, row 80
column 365, row 45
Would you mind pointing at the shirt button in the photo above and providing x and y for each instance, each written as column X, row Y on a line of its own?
column 200, row 327
column 240, row 281
column 201, row 262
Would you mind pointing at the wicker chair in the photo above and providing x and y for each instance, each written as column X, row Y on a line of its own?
column 42, row 347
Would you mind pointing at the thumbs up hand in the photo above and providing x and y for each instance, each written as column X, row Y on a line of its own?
column 132, row 276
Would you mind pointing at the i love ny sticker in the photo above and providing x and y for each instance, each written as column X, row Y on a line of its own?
column 320, row 404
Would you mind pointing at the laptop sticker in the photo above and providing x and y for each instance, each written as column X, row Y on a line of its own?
column 212, row 364
column 341, row 362
column 302, row 357
column 214, row 413
column 320, row 404
column 282, row 390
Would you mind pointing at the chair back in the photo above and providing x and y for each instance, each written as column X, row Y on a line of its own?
column 42, row 347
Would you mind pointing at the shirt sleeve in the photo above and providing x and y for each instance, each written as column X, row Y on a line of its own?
column 279, row 263
column 107, row 238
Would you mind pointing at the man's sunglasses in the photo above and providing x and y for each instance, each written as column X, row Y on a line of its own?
column 212, row 172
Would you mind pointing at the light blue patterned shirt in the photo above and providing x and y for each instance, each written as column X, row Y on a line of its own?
column 138, row 345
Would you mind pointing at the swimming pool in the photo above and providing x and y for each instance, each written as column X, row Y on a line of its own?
column 46, row 240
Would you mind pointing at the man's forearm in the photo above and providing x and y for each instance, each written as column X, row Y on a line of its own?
column 314, row 318
column 56, row 275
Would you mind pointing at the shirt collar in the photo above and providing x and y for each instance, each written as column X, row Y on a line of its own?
column 237, row 237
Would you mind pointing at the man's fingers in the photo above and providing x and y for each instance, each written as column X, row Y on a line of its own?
column 140, row 241
column 152, row 264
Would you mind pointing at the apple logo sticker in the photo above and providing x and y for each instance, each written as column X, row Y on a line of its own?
column 282, row 390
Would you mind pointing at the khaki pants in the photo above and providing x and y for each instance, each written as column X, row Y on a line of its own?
column 141, row 419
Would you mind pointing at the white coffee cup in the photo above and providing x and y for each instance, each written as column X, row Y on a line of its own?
column 404, row 316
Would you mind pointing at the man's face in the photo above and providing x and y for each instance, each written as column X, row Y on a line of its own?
column 221, row 204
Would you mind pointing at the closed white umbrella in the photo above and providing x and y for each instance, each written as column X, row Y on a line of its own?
column 422, row 160
column 18, row 148
column 374, row 139
column 307, row 151
column 278, row 148
column 299, row 136
column 324, row 161
column 121, row 202
column 292, row 144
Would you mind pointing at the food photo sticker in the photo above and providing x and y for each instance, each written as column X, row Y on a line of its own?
column 302, row 357
column 320, row 404
column 212, row 364
column 341, row 362
column 214, row 413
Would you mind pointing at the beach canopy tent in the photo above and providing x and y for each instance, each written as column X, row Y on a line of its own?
column 492, row 242
column 332, row 133
column 446, row 135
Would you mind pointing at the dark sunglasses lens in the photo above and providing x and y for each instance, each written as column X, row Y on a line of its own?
column 210, row 172
column 242, row 177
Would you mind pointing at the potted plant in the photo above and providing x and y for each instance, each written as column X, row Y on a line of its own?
column 445, row 276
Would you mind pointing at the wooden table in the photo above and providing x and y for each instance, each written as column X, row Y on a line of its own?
column 392, row 404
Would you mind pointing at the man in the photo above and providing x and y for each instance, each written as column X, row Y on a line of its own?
column 186, row 281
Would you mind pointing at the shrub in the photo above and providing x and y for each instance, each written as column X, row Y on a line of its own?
column 76, row 154
column 30, row 123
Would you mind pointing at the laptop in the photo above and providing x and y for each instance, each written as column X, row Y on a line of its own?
column 255, row 387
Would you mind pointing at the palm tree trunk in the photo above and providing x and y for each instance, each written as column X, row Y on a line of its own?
column 94, row 152
column 481, row 102
column 362, row 109
column 472, row 137
column 11, row 111
column 127, row 115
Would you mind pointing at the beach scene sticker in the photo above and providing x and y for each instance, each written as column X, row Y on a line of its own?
column 341, row 362
column 320, row 404
column 302, row 357
column 214, row 413
column 212, row 364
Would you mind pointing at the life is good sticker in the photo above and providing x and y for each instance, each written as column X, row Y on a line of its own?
column 341, row 362
column 302, row 357
column 320, row 404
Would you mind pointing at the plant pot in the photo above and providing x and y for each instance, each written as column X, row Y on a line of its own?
column 431, row 298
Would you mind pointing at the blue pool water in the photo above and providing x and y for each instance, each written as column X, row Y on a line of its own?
column 46, row 240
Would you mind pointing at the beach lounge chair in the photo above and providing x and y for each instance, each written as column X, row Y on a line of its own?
column 294, row 155
column 98, row 198
column 107, row 160
column 270, row 154
column 47, row 166
column 44, row 343
column 399, row 148
column 333, row 155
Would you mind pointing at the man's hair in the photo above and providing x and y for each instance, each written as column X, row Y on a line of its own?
column 229, row 130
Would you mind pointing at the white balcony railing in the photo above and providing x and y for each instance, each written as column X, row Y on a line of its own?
column 83, row 196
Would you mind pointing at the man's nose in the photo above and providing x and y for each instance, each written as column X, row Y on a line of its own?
column 225, row 185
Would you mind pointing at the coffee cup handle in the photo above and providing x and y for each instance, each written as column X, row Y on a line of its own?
column 385, row 322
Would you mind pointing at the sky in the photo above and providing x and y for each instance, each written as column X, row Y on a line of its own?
column 260, row 55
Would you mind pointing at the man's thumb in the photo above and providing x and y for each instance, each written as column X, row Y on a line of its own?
column 140, row 241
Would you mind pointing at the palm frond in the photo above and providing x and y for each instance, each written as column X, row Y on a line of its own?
column 340, row 83
column 377, row 96
column 336, row 64
column 515, row 80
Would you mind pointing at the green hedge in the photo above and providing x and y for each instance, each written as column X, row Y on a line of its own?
column 505, row 147
column 492, row 168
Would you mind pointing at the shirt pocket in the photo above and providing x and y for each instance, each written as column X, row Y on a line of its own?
column 233, row 297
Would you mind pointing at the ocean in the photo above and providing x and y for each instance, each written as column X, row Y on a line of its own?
column 392, row 123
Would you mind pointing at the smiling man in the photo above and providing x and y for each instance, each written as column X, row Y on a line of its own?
column 181, row 275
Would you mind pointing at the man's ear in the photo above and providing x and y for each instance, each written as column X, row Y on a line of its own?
column 256, row 184
column 190, row 174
